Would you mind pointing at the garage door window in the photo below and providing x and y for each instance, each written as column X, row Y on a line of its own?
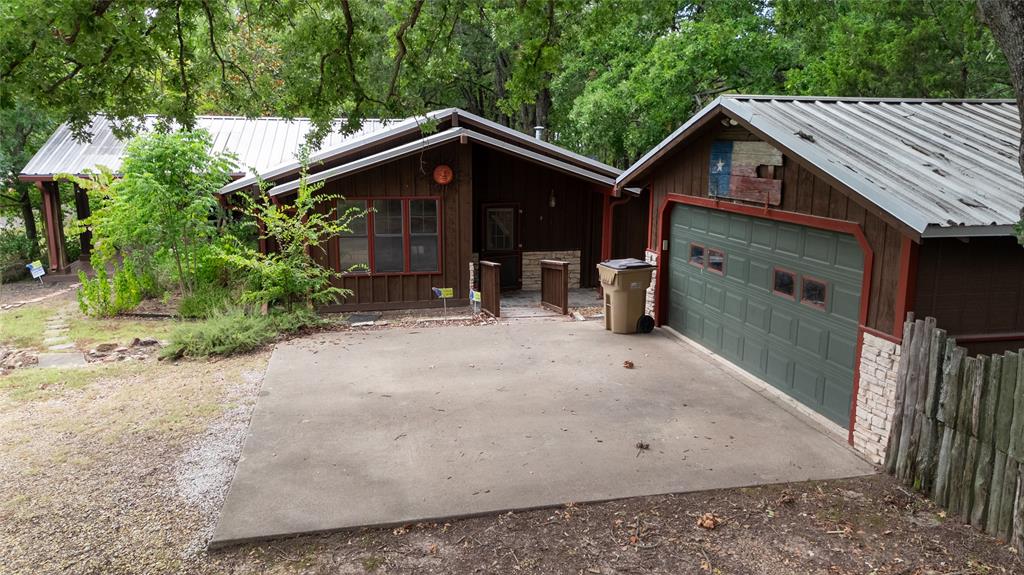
column 813, row 292
column 697, row 255
column 716, row 261
column 784, row 283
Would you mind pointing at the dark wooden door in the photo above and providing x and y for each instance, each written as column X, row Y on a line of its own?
column 501, row 243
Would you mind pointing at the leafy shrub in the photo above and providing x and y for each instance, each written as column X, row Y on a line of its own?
column 15, row 248
column 206, row 301
column 235, row 331
column 291, row 277
column 99, row 297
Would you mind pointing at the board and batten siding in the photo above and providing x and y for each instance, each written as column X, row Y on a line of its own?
column 685, row 172
column 411, row 177
column 574, row 224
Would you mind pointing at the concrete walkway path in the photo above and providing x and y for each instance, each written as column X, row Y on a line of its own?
column 397, row 426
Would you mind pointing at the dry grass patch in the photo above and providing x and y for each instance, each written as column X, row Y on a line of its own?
column 91, row 473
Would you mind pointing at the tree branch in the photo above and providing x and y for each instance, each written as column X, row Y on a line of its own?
column 402, row 49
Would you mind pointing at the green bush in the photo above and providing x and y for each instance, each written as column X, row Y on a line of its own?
column 99, row 297
column 235, row 331
column 206, row 301
column 15, row 248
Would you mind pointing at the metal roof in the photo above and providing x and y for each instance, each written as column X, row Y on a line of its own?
column 930, row 164
column 258, row 143
column 434, row 140
column 412, row 126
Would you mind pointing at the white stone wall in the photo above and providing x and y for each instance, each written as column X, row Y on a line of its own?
column 531, row 267
column 876, row 396
column 651, row 258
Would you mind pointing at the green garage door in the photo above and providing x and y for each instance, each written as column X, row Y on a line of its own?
column 781, row 301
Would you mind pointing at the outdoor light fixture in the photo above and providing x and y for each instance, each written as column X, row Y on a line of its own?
column 551, row 199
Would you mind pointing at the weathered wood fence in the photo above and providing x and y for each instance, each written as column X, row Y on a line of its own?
column 554, row 285
column 958, row 430
column 490, row 288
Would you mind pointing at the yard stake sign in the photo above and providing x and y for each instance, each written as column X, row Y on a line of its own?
column 444, row 294
column 745, row 171
column 957, row 434
column 36, row 269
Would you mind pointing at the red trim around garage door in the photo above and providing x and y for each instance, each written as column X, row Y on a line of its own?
column 818, row 222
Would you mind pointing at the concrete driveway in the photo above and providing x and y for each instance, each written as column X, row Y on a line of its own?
column 403, row 425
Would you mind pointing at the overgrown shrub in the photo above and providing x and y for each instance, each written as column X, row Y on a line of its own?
column 291, row 277
column 235, row 331
column 15, row 248
column 101, row 297
column 206, row 301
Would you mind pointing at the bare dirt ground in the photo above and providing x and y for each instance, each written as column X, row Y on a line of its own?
column 122, row 468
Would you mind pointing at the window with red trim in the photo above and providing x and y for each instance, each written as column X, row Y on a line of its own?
column 397, row 235
column 716, row 261
column 697, row 255
column 813, row 292
column 784, row 283
column 354, row 248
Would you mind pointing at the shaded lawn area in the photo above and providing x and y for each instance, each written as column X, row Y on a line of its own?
column 122, row 468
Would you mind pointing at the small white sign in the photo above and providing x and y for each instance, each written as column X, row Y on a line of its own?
column 36, row 269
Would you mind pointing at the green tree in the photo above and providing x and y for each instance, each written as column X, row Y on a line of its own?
column 23, row 128
column 161, row 207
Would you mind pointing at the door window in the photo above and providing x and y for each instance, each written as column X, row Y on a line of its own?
column 499, row 230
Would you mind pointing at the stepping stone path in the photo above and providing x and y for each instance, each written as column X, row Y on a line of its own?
column 56, row 340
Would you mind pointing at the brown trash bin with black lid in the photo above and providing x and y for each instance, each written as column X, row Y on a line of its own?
column 625, row 284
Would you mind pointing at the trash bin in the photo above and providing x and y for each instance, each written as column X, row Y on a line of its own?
column 625, row 284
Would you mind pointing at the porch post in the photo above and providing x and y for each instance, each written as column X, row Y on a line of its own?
column 83, row 211
column 606, row 226
column 52, row 221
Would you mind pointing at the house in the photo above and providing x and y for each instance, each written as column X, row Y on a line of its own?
column 446, row 190
column 793, row 235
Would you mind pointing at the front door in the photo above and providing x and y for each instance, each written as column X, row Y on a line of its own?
column 501, row 242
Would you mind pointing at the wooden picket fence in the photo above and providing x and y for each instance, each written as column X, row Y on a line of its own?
column 958, row 430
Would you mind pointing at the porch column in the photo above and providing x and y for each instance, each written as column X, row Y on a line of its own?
column 83, row 211
column 54, row 228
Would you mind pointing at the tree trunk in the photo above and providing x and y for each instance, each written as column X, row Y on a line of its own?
column 1006, row 20
column 28, row 215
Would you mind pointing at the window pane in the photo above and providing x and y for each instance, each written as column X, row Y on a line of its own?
column 357, row 225
column 783, row 283
column 500, row 231
column 388, row 244
column 388, row 255
column 355, row 251
column 387, row 219
column 423, row 253
column 697, row 255
column 423, row 226
column 423, row 216
column 716, row 261
column 813, row 292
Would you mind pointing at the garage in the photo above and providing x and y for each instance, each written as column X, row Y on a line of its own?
column 780, row 300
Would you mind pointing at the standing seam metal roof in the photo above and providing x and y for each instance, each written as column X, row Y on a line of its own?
column 928, row 163
column 258, row 143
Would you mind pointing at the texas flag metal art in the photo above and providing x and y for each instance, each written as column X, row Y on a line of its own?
column 745, row 171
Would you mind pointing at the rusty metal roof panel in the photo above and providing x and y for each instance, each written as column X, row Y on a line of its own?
column 258, row 143
column 931, row 164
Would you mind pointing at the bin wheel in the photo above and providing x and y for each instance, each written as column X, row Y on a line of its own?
column 645, row 324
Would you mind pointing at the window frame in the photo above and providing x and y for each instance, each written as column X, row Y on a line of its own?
column 368, row 234
column 689, row 255
column 707, row 260
column 822, row 306
column 796, row 277
column 406, row 237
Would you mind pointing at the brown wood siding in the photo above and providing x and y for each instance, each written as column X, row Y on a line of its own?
column 411, row 177
column 629, row 226
column 573, row 224
column 973, row 287
column 685, row 172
